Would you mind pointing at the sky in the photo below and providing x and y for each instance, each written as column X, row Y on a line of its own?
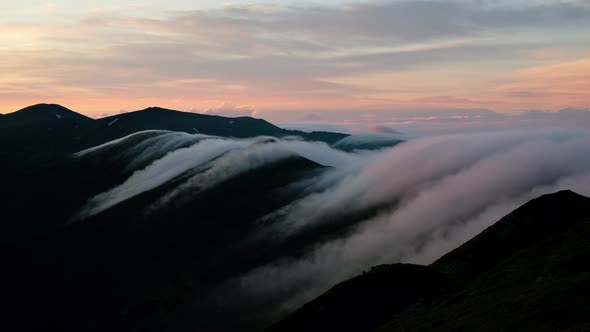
column 296, row 60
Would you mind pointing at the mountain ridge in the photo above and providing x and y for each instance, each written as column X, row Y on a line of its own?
column 44, row 133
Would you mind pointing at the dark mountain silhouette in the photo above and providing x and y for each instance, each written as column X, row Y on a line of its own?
column 367, row 301
column 46, row 115
column 528, row 272
column 124, row 269
column 117, row 126
column 39, row 133
column 46, row 132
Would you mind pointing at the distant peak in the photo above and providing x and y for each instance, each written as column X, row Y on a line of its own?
column 155, row 109
column 45, row 108
column 566, row 192
column 563, row 199
column 48, row 111
column 559, row 195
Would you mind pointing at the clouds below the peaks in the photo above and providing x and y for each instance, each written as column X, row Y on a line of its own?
column 159, row 157
column 159, row 172
column 418, row 123
column 410, row 203
column 445, row 189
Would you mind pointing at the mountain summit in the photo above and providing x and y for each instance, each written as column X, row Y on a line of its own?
column 39, row 133
column 42, row 115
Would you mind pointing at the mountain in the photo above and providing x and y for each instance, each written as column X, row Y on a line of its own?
column 114, row 127
column 43, row 133
column 38, row 133
column 527, row 272
column 43, row 115
column 367, row 301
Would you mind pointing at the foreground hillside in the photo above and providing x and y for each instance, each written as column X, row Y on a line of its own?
column 528, row 272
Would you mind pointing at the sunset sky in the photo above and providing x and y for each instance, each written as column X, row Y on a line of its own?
column 280, row 57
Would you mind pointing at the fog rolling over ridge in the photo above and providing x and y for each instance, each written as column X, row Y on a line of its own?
column 410, row 203
column 230, row 157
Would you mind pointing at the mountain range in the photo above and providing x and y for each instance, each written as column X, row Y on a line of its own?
column 63, row 242
column 42, row 132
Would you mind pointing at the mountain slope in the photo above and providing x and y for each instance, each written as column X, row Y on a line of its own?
column 127, row 268
column 367, row 301
column 528, row 272
column 540, row 219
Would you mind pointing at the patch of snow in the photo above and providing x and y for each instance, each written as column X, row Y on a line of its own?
column 113, row 122
column 196, row 131
column 58, row 116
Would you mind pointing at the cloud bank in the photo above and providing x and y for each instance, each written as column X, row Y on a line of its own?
column 410, row 203
column 174, row 154
column 446, row 189
column 440, row 121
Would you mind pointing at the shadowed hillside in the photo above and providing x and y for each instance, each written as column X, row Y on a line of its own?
column 528, row 272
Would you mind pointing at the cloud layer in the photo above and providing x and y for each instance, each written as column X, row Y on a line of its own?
column 410, row 203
